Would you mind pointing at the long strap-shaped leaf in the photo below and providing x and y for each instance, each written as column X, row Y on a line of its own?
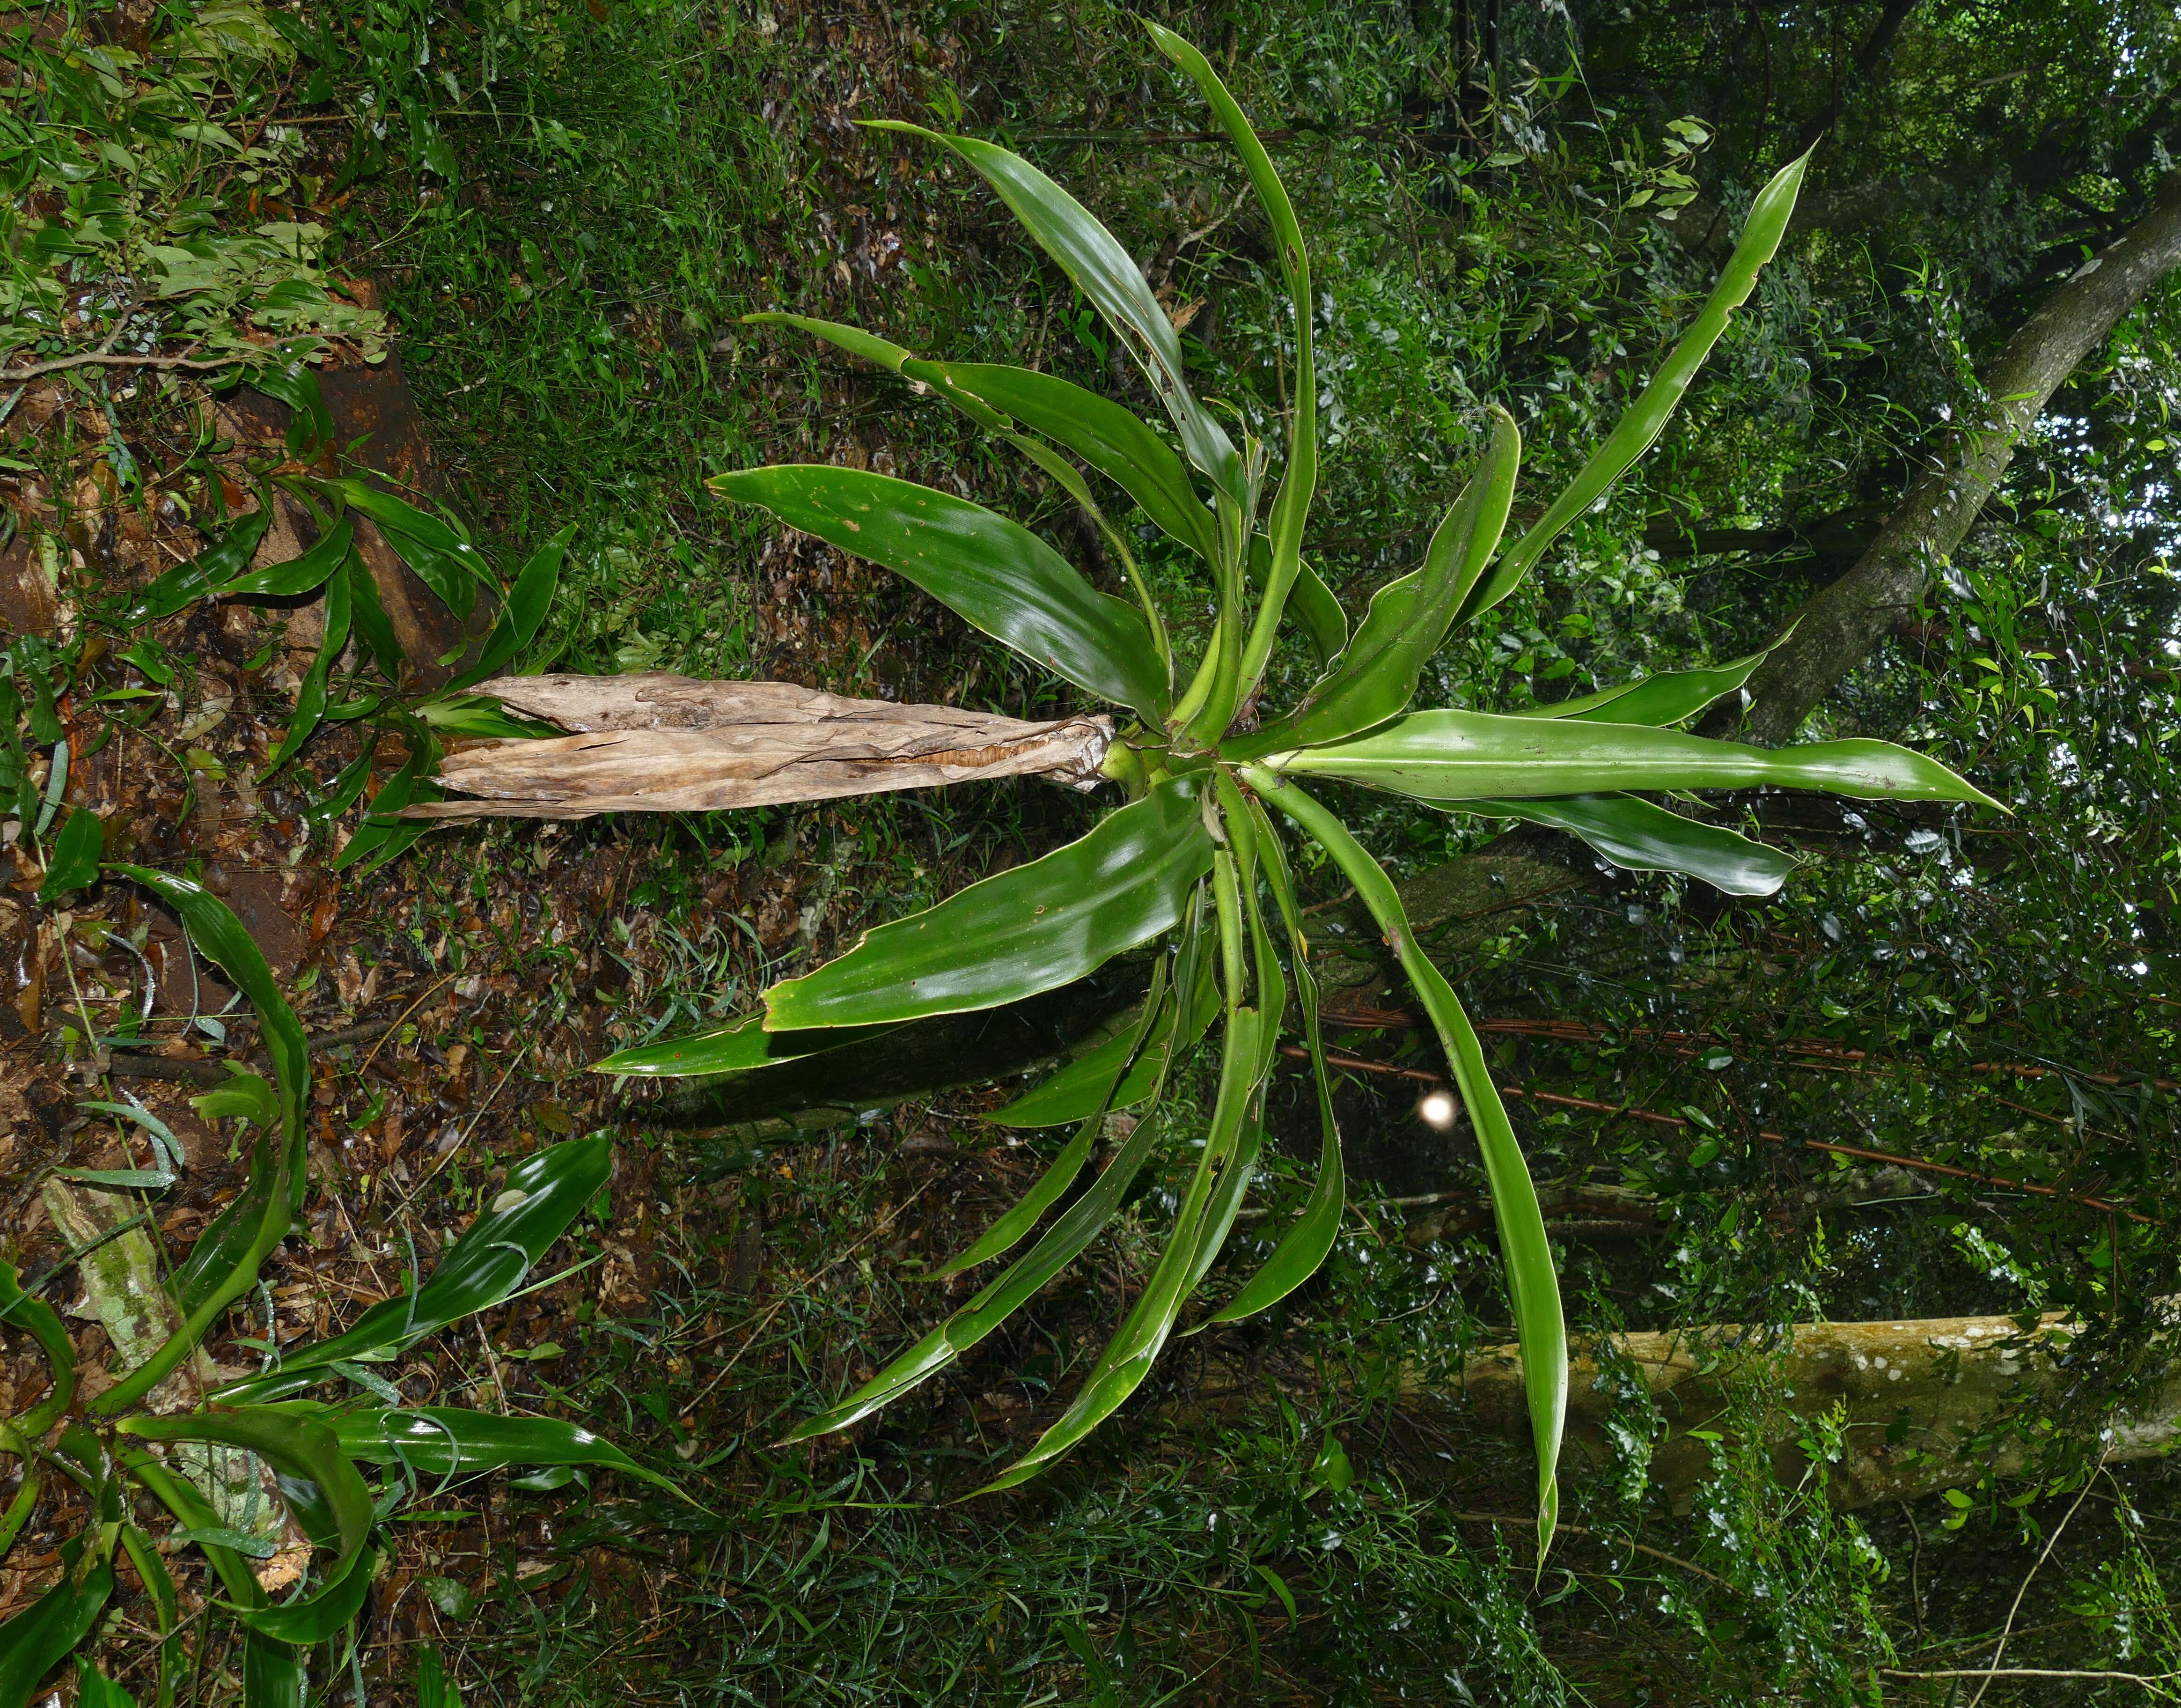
column 1643, row 836
column 246, row 1235
column 20, row 1309
column 1107, row 436
column 1305, row 1245
column 1669, row 696
column 1026, row 931
column 1009, row 1229
column 1533, row 1285
column 1074, row 1092
column 742, row 1047
column 299, row 1447
column 1103, row 271
column 1468, row 755
column 310, row 697
column 1299, row 479
column 444, row 1441
column 1064, row 475
column 541, row 1195
column 1058, row 1246
column 1408, row 618
column 993, row 572
column 1128, row 1359
column 1104, row 434
column 1645, row 419
column 39, row 1638
column 211, row 569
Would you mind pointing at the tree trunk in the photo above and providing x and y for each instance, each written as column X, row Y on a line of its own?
column 1839, row 626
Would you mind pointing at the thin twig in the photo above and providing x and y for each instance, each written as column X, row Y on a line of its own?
column 99, row 359
column 2051, row 1542
column 1988, row 1674
column 1578, row 1530
column 801, row 1289
column 1922, row 1165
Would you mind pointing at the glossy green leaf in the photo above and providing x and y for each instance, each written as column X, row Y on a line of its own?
column 1644, row 836
column 220, row 936
column 73, row 863
column 1103, row 271
column 872, row 348
column 322, row 1617
column 441, row 555
column 380, row 830
column 244, row 1097
column 1304, row 1247
column 159, row 1583
column 441, row 1441
column 374, row 629
column 1063, row 474
column 310, row 423
column 310, row 696
column 1533, row 1284
column 1128, row 1359
column 240, row 1237
column 298, row 575
column 274, row 1675
column 1646, row 419
column 1074, row 1091
column 1313, row 608
column 94, row 1690
column 1468, row 755
column 42, row 1635
column 1026, row 931
column 1073, row 1230
column 185, row 584
column 197, row 1520
column 1007, row 1230
column 1670, row 696
column 1377, row 676
column 297, row 1447
column 742, row 1047
column 248, row 1231
column 853, row 338
column 44, row 1326
column 1299, row 479
column 522, row 613
column 991, row 572
column 1108, row 437
column 539, row 1197
column 1058, row 1245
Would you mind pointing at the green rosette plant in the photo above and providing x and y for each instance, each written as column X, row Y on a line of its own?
column 201, row 1442
column 1196, row 859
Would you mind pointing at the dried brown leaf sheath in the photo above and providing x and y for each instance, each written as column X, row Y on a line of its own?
column 655, row 742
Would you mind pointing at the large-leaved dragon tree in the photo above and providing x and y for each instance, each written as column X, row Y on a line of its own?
column 1195, row 860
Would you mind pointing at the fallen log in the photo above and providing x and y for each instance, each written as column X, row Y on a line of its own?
column 1920, row 1396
